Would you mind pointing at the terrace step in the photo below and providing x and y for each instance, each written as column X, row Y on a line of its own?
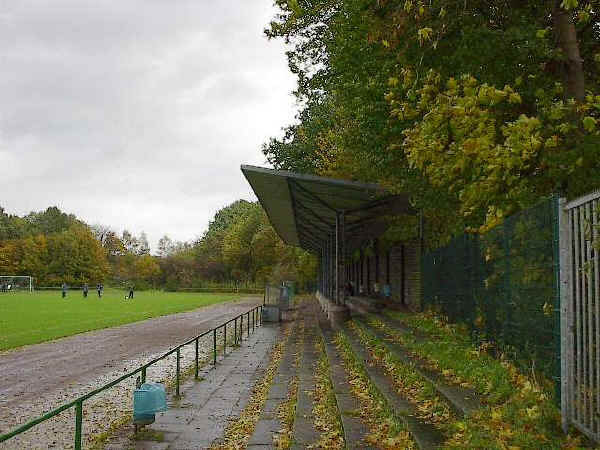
column 354, row 429
column 425, row 434
column 305, row 433
column 398, row 325
column 463, row 401
column 269, row 424
column 363, row 305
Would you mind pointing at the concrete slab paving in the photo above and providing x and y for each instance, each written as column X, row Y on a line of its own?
column 202, row 414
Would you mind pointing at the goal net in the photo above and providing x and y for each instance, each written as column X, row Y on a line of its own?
column 9, row 283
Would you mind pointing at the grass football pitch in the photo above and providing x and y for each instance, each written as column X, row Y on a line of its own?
column 30, row 318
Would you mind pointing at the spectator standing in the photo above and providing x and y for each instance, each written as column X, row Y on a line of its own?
column 86, row 288
column 64, row 290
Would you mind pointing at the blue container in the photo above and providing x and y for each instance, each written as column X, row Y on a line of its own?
column 148, row 399
column 387, row 290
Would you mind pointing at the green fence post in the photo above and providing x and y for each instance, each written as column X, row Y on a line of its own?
column 248, row 323
column 143, row 375
column 235, row 331
column 241, row 328
column 178, row 368
column 214, row 346
column 225, row 339
column 78, row 424
column 196, row 370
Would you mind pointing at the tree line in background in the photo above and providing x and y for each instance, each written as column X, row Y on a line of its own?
column 477, row 108
column 239, row 246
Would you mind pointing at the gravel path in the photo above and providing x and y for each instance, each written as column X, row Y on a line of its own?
column 38, row 378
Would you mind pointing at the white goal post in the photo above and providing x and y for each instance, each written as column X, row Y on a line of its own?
column 13, row 282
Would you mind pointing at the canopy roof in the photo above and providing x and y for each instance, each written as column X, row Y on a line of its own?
column 303, row 208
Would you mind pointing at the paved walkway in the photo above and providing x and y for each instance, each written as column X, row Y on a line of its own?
column 201, row 415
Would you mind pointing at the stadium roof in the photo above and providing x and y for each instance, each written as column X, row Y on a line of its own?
column 303, row 208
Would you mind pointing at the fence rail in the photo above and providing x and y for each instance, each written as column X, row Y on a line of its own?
column 253, row 318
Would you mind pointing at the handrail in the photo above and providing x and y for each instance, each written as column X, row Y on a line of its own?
column 78, row 402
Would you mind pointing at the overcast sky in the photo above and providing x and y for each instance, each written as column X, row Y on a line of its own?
column 137, row 114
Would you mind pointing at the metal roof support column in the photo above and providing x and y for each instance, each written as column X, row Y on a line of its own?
column 325, row 254
column 340, row 279
column 328, row 269
column 320, row 280
column 332, row 267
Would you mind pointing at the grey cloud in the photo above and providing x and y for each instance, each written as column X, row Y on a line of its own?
column 136, row 114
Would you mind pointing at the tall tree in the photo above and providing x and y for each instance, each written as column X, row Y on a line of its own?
column 477, row 106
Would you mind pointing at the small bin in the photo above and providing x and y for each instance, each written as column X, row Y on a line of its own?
column 148, row 399
column 284, row 299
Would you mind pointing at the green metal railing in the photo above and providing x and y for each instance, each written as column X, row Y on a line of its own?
column 253, row 318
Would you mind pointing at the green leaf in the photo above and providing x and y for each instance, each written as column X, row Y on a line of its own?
column 569, row 4
column 589, row 123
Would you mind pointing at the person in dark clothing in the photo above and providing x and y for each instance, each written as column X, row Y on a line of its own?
column 349, row 289
column 100, row 288
column 85, row 290
column 64, row 290
column 130, row 296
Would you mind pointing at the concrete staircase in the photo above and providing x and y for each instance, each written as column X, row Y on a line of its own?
column 298, row 371
column 289, row 414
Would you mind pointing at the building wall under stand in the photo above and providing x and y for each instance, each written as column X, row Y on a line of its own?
column 403, row 271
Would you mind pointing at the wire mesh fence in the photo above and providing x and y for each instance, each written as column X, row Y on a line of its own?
column 504, row 286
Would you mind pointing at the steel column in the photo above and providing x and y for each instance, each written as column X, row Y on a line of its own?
column 340, row 278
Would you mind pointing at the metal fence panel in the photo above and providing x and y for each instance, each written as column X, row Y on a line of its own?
column 504, row 286
column 581, row 304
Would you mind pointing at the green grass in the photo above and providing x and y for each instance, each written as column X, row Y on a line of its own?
column 30, row 318
column 519, row 411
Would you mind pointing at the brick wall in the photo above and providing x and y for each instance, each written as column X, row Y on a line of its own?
column 404, row 273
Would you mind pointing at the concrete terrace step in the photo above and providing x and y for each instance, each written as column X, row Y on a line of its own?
column 400, row 326
column 305, row 433
column 269, row 424
column 464, row 401
column 425, row 435
column 355, row 430
column 363, row 305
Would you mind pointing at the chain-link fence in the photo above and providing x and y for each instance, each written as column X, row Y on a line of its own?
column 504, row 286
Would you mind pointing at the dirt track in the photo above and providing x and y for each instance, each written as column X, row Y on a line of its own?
column 37, row 378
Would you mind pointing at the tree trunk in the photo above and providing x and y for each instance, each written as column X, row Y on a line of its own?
column 567, row 42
